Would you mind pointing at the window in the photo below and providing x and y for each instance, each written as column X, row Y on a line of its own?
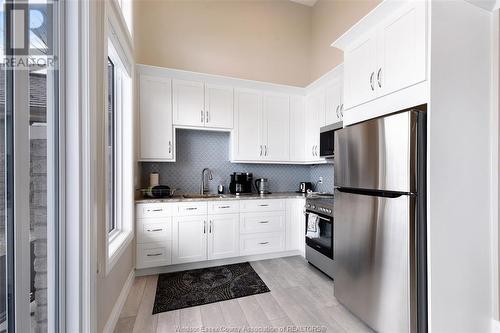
column 110, row 151
column 119, row 175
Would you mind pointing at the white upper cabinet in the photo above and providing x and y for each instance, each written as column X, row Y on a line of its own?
column 384, row 57
column 247, row 134
column 401, row 49
column 334, row 100
column 359, row 65
column 276, row 127
column 202, row 105
column 155, row 118
column 315, row 118
column 188, row 103
column 298, row 135
column 218, row 106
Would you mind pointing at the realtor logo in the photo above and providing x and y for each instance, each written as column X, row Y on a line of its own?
column 29, row 35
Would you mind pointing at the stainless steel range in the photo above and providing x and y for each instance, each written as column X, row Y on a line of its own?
column 319, row 232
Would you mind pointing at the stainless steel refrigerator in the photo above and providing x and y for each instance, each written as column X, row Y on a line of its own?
column 379, row 221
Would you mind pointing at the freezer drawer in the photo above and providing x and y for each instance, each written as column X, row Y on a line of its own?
column 375, row 259
column 378, row 154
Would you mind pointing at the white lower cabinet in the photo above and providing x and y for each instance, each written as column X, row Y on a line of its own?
column 153, row 254
column 260, row 243
column 198, row 231
column 223, row 236
column 189, row 239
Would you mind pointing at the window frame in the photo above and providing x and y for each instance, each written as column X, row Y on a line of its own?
column 112, row 233
column 122, row 235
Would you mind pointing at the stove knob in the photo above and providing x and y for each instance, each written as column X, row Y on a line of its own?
column 329, row 211
column 313, row 207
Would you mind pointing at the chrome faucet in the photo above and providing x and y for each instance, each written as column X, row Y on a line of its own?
column 203, row 185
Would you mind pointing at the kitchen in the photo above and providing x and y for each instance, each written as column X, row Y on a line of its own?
column 317, row 183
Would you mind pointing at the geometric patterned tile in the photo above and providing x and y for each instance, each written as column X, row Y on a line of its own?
column 208, row 149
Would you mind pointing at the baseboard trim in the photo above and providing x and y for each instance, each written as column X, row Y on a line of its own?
column 495, row 326
column 120, row 302
column 211, row 263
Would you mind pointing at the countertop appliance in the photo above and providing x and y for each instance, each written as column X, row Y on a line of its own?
column 380, row 225
column 319, row 233
column 327, row 139
column 304, row 187
column 241, row 182
column 262, row 185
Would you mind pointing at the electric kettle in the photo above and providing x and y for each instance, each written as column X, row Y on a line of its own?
column 262, row 185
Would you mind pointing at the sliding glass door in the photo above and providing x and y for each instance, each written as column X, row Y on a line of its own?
column 30, row 244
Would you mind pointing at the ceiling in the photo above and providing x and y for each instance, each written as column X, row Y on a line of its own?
column 309, row 3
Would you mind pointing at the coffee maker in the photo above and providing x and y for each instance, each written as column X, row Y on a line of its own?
column 241, row 182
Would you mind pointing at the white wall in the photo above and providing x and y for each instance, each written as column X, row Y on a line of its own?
column 459, row 169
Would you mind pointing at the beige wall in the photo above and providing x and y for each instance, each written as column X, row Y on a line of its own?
column 275, row 40
column 330, row 19
column 257, row 40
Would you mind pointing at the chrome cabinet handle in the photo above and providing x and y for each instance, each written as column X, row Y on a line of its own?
column 223, row 207
column 312, row 150
column 207, row 117
column 265, row 150
column 191, row 208
column 157, row 210
column 170, row 147
column 337, row 111
column 260, row 150
column 341, row 110
column 153, row 230
column 379, row 78
column 210, row 227
column 371, row 81
column 202, row 116
column 264, row 243
column 204, row 227
column 263, row 222
column 153, row 254
column 264, row 205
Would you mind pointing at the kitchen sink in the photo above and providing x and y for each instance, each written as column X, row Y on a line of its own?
column 202, row 196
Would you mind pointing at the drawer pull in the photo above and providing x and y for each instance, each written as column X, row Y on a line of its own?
column 191, row 208
column 222, row 207
column 154, row 230
column 153, row 254
column 264, row 205
column 263, row 221
column 264, row 243
column 157, row 210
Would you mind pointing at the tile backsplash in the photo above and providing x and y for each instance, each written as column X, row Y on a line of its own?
column 207, row 149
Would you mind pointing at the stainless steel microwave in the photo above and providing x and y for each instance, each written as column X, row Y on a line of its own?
column 327, row 140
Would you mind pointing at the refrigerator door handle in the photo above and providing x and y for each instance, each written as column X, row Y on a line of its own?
column 374, row 193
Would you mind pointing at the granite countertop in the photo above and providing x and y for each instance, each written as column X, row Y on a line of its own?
column 224, row 197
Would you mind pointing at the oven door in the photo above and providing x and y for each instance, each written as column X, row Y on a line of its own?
column 320, row 239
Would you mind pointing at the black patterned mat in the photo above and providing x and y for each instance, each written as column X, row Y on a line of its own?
column 206, row 285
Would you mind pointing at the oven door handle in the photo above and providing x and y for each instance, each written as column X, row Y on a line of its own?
column 325, row 219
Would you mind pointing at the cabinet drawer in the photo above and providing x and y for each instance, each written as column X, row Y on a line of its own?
column 191, row 208
column 153, row 254
column 262, row 243
column 262, row 222
column 154, row 210
column 223, row 207
column 154, row 230
column 265, row 205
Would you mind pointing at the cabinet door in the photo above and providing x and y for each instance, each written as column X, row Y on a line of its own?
column 360, row 71
column 218, row 106
column 276, row 127
column 333, row 101
column 402, row 48
column 155, row 117
column 246, row 138
column 224, row 236
column 189, row 239
column 315, row 118
column 297, row 129
column 295, row 225
column 188, row 103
